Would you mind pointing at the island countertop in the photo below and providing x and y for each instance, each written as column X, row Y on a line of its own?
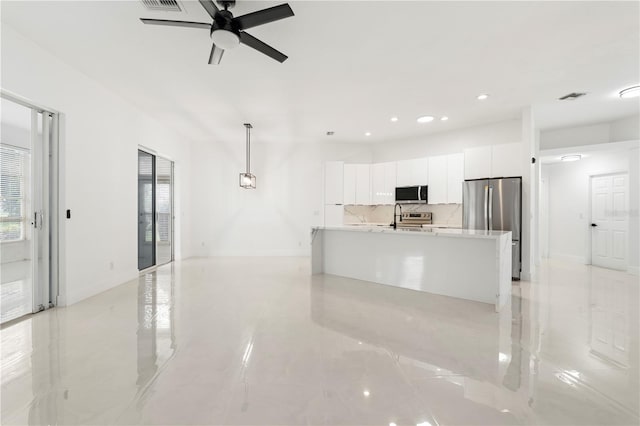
column 426, row 232
column 467, row 264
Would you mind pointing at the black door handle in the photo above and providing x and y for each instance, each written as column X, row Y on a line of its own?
column 594, row 225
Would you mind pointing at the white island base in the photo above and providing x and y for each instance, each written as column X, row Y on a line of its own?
column 467, row 264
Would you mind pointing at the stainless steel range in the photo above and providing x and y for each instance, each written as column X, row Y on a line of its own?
column 415, row 219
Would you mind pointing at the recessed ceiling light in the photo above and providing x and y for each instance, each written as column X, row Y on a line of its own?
column 483, row 97
column 571, row 157
column 445, row 118
column 630, row 92
column 394, row 119
column 366, row 393
column 368, row 134
column 425, row 119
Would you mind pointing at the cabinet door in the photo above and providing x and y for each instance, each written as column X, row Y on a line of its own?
column 506, row 160
column 404, row 170
column 333, row 215
column 333, row 182
column 389, row 183
column 455, row 177
column 477, row 162
column 378, row 188
column 363, row 184
column 349, row 184
column 437, row 180
column 420, row 171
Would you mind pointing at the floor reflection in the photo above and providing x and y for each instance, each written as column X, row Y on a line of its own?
column 261, row 341
column 16, row 290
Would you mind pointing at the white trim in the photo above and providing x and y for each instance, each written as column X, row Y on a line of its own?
column 6, row 94
column 633, row 270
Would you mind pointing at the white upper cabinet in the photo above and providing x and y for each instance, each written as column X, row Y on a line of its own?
column 333, row 182
column 477, row 162
column 350, row 184
column 506, row 160
column 455, row 177
column 383, row 182
column 438, row 180
column 390, row 173
column 363, row 184
column 412, row 172
column 493, row 161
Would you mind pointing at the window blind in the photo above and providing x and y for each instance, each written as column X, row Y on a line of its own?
column 14, row 163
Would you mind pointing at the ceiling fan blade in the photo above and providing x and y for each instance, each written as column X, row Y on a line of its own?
column 176, row 23
column 260, row 46
column 210, row 7
column 216, row 55
column 263, row 16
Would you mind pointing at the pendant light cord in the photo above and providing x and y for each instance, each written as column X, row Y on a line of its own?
column 248, row 126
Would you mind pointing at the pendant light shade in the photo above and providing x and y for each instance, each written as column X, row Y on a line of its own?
column 247, row 180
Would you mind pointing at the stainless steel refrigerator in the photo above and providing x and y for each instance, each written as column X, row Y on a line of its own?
column 495, row 204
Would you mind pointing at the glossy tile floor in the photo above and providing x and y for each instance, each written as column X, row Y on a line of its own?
column 16, row 290
column 260, row 341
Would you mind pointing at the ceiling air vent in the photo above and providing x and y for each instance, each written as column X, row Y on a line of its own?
column 166, row 5
column 571, row 96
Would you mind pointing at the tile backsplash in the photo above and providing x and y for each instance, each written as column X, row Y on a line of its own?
column 443, row 214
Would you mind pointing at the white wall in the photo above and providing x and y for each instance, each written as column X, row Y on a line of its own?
column 569, row 202
column 101, row 133
column 275, row 218
column 449, row 142
column 625, row 129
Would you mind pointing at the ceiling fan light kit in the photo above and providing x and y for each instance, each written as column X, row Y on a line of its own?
column 228, row 32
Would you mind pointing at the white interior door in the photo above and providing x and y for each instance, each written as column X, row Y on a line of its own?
column 609, row 221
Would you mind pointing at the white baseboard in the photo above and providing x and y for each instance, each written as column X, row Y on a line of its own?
column 633, row 270
column 569, row 258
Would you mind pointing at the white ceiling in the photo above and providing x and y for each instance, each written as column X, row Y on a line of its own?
column 353, row 65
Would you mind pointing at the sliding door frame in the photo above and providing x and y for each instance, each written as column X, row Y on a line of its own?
column 49, row 294
column 156, row 215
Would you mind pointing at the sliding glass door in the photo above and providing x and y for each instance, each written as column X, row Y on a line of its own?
column 164, row 210
column 146, row 210
column 155, row 210
column 26, row 213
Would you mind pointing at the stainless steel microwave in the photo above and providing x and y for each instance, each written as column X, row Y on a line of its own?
column 412, row 194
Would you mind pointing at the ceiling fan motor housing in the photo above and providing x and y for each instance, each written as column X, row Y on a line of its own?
column 224, row 21
column 227, row 4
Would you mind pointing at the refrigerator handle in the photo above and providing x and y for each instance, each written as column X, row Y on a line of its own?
column 486, row 209
column 490, row 208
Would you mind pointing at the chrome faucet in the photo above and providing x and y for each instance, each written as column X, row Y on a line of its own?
column 395, row 208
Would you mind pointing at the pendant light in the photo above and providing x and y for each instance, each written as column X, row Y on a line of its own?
column 247, row 180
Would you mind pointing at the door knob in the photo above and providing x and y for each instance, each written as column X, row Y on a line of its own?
column 594, row 225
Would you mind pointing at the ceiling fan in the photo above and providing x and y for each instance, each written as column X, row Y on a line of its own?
column 228, row 32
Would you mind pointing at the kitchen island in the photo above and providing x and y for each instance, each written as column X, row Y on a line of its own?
column 462, row 263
